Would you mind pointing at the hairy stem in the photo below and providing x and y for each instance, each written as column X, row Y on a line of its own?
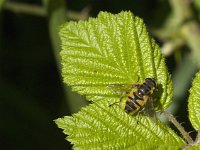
column 179, row 127
column 197, row 140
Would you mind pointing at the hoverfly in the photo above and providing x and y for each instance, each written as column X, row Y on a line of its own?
column 139, row 96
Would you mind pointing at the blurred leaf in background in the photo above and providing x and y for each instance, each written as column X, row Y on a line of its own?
column 1, row 4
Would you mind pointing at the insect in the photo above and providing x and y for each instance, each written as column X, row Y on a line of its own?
column 139, row 97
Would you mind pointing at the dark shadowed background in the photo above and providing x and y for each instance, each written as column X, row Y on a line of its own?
column 32, row 93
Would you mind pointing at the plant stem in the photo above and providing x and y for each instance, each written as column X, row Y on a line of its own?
column 56, row 12
column 179, row 127
column 181, row 10
column 24, row 8
column 40, row 11
column 191, row 33
column 197, row 140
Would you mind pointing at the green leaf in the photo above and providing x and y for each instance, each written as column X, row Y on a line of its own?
column 1, row 4
column 194, row 147
column 194, row 102
column 112, row 50
column 98, row 126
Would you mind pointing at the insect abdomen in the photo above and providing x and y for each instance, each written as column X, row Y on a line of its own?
column 132, row 105
column 139, row 95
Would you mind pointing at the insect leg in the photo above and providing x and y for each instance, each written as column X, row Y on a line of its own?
column 117, row 101
column 135, row 86
column 114, row 103
column 142, row 110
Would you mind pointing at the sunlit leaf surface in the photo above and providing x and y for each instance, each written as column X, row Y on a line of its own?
column 194, row 102
column 112, row 50
column 99, row 127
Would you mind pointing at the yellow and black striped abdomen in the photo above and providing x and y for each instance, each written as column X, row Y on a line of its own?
column 139, row 95
column 134, row 104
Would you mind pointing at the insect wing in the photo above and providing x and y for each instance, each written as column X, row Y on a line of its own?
column 149, row 108
column 119, row 89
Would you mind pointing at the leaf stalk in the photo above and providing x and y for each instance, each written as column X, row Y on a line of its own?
column 173, row 120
